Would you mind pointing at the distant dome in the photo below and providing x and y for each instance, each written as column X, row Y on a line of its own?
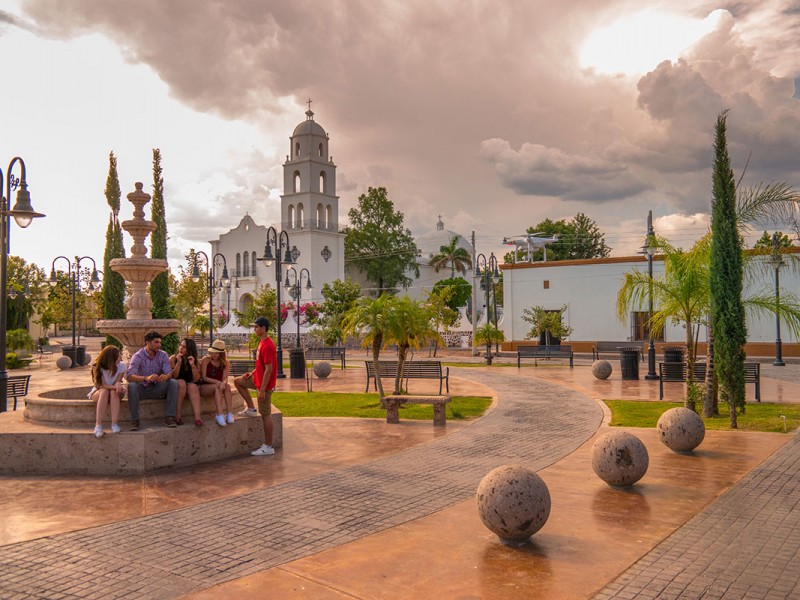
column 309, row 126
column 430, row 243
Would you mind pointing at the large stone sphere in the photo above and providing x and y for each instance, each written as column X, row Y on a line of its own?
column 681, row 430
column 601, row 369
column 64, row 362
column 619, row 458
column 513, row 502
column 87, row 359
column 322, row 369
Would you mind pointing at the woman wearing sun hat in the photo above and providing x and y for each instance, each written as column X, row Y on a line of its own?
column 214, row 370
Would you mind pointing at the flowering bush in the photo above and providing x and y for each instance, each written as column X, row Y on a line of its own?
column 309, row 312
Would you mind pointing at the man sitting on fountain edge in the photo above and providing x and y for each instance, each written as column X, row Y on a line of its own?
column 150, row 376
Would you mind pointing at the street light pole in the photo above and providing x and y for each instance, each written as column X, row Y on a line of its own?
column 490, row 273
column 777, row 261
column 23, row 214
column 73, row 275
column 210, row 265
column 294, row 290
column 650, row 250
column 278, row 241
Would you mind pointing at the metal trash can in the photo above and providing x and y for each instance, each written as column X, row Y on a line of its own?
column 297, row 363
column 673, row 354
column 76, row 353
column 629, row 363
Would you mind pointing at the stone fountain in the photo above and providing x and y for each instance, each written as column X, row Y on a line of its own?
column 139, row 271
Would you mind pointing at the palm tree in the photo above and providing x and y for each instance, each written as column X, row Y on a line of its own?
column 455, row 256
column 371, row 318
column 411, row 324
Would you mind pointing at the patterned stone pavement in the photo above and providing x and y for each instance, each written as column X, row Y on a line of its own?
column 170, row 554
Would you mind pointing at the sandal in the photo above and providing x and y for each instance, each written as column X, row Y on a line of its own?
column 198, row 422
column 179, row 421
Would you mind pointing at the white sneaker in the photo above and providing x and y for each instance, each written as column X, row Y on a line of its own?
column 220, row 419
column 248, row 412
column 115, row 428
column 263, row 451
column 98, row 431
column 230, row 417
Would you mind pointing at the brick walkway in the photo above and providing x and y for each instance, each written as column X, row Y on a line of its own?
column 170, row 554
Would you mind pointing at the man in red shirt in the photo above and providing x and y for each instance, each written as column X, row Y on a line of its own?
column 263, row 379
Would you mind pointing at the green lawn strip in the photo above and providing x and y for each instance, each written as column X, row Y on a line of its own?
column 340, row 404
column 759, row 416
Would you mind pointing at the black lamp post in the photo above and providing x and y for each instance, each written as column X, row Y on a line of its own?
column 776, row 260
column 297, row 361
column 278, row 242
column 73, row 273
column 649, row 249
column 489, row 274
column 227, row 288
column 23, row 214
column 210, row 266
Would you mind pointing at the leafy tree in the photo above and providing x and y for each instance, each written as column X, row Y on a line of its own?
column 159, row 288
column 370, row 317
column 452, row 254
column 726, row 273
column 264, row 304
column 340, row 296
column 378, row 245
column 410, row 324
column 27, row 289
column 579, row 238
column 765, row 241
column 188, row 296
column 460, row 291
column 546, row 324
column 488, row 334
column 113, row 300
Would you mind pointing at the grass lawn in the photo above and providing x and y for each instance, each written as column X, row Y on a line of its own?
column 330, row 404
column 758, row 416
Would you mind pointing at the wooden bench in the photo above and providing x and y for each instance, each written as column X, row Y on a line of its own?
column 17, row 387
column 612, row 347
column 677, row 373
column 327, row 353
column 393, row 404
column 546, row 352
column 240, row 366
column 417, row 369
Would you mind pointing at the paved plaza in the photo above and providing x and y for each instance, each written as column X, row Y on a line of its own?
column 394, row 516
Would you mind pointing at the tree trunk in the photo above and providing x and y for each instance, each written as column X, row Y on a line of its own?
column 401, row 360
column 377, row 342
column 711, row 400
column 690, row 404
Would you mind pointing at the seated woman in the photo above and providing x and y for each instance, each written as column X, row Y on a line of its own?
column 186, row 371
column 214, row 371
column 107, row 373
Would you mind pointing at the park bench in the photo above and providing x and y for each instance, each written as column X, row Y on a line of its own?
column 393, row 404
column 546, row 352
column 611, row 348
column 240, row 366
column 327, row 353
column 17, row 387
column 677, row 372
column 417, row 369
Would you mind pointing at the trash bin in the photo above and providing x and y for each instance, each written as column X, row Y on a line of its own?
column 297, row 363
column 629, row 363
column 673, row 354
column 81, row 357
column 72, row 352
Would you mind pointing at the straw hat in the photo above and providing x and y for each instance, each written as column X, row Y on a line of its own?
column 217, row 346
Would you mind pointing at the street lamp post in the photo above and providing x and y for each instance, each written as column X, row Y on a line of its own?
column 278, row 242
column 776, row 260
column 73, row 274
column 23, row 214
column 489, row 274
column 650, row 249
column 210, row 266
column 296, row 357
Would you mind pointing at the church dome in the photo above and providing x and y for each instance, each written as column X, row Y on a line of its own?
column 309, row 126
column 430, row 243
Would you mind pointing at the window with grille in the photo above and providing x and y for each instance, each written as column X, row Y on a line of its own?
column 640, row 328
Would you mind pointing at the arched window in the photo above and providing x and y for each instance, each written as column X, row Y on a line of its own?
column 238, row 265
column 328, row 216
column 321, row 216
column 323, row 182
column 320, row 149
column 253, row 258
column 297, row 149
column 300, row 222
column 290, row 215
column 296, row 178
column 246, row 264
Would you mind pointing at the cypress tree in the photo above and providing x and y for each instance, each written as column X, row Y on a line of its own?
column 726, row 275
column 159, row 288
column 113, row 283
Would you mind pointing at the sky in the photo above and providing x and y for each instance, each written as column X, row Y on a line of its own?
column 495, row 115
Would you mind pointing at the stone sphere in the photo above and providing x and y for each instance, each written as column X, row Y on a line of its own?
column 64, row 362
column 322, row 369
column 681, row 430
column 87, row 359
column 513, row 502
column 601, row 369
column 619, row 458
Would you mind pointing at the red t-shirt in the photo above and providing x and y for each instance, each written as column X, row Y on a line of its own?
column 266, row 355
